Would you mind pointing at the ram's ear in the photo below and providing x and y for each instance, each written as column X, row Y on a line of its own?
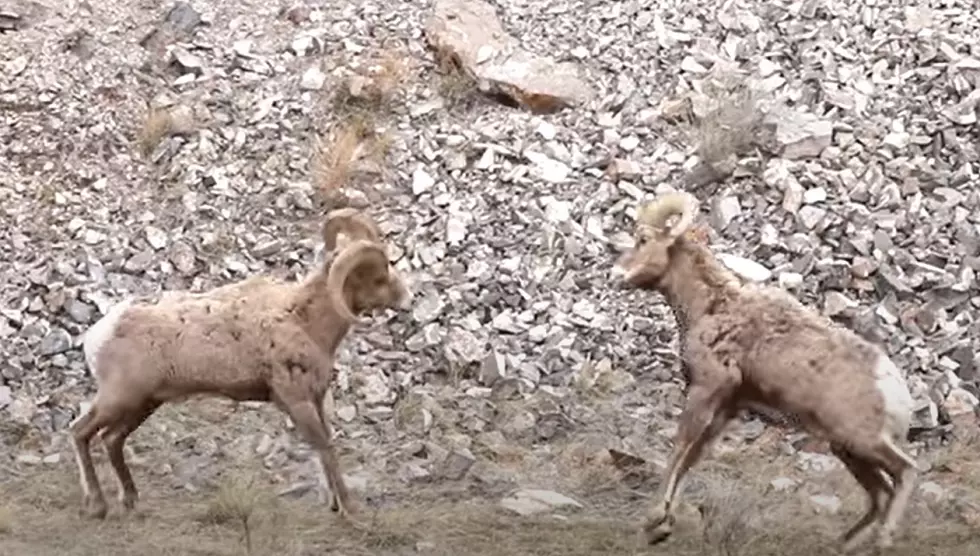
column 352, row 224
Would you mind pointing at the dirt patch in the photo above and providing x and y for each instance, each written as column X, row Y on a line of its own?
column 728, row 509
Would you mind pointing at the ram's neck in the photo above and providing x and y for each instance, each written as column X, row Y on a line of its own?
column 695, row 283
column 321, row 319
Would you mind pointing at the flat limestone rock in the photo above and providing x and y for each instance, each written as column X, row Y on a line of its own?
column 470, row 32
column 801, row 135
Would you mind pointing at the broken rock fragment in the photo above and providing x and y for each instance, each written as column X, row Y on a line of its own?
column 798, row 134
column 469, row 32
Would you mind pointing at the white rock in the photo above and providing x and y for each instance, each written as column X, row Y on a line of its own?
column 533, row 501
column 814, row 195
column 744, row 268
column 346, row 413
column 156, row 237
column 547, row 168
column 790, row 280
column 421, row 181
column 826, row 503
column 932, row 490
column 835, row 303
column 819, row 463
column 547, row 131
column 629, row 143
column 556, row 211
column 456, row 227
column 313, row 79
column 960, row 402
column 724, row 210
column 783, row 484
column 802, row 134
column 93, row 237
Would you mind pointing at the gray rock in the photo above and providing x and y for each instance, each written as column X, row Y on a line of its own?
column 527, row 502
column 456, row 464
column 471, row 31
column 5, row 397
column 58, row 340
column 826, row 503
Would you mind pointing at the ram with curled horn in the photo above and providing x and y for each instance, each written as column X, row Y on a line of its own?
column 755, row 346
column 259, row 339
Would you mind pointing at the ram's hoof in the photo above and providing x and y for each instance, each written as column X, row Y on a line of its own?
column 95, row 508
column 658, row 526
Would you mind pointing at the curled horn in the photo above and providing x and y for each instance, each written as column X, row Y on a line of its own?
column 352, row 222
column 656, row 213
column 354, row 255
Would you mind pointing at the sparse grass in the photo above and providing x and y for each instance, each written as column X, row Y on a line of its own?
column 373, row 84
column 155, row 128
column 455, row 84
column 724, row 122
column 726, row 509
column 357, row 137
column 734, row 513
column 235, row 503
column 6, row 520
column 730, row 512
column 334, row 156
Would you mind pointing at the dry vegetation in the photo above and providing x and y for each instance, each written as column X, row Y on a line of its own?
column 728, row 508
column 155, row 128
column 6, row 520
column 353, row 122
column 456, row 86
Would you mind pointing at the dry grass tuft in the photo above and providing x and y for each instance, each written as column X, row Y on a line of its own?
column 154, row 130
column 456, row 85
column 6, row 520
column 354, row 147
column 374, row 84
column 724, row 121
column 161, row 122
column 730, row 511
column 732, row 126
column 236, row 502
column 357, row 139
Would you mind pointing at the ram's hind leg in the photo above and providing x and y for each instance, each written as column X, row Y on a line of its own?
column 901, row 467
column 101, row 414
column 869, row 476
column 114, row 438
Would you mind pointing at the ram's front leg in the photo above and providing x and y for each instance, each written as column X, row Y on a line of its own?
column 709, row 407
column 304, row 407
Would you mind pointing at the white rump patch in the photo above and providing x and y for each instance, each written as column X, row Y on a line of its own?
column 100, row 332
column 896, row 396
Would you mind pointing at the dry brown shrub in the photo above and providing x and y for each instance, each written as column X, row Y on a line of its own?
column 456, row 85
column 374, row 82
column 164, row 121
column 236, row 502
column 155, row 128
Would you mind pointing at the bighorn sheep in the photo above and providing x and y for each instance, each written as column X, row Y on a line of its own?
column 748, row 345
column 259, row 339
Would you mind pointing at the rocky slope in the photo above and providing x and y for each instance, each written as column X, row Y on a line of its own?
column 847, row 169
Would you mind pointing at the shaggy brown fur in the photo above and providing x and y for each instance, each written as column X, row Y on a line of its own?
column 748, row 346
column 258, row 339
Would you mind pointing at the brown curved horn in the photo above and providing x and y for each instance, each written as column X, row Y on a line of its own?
column 358, row 253
column 656, row 213
column 350, row 221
